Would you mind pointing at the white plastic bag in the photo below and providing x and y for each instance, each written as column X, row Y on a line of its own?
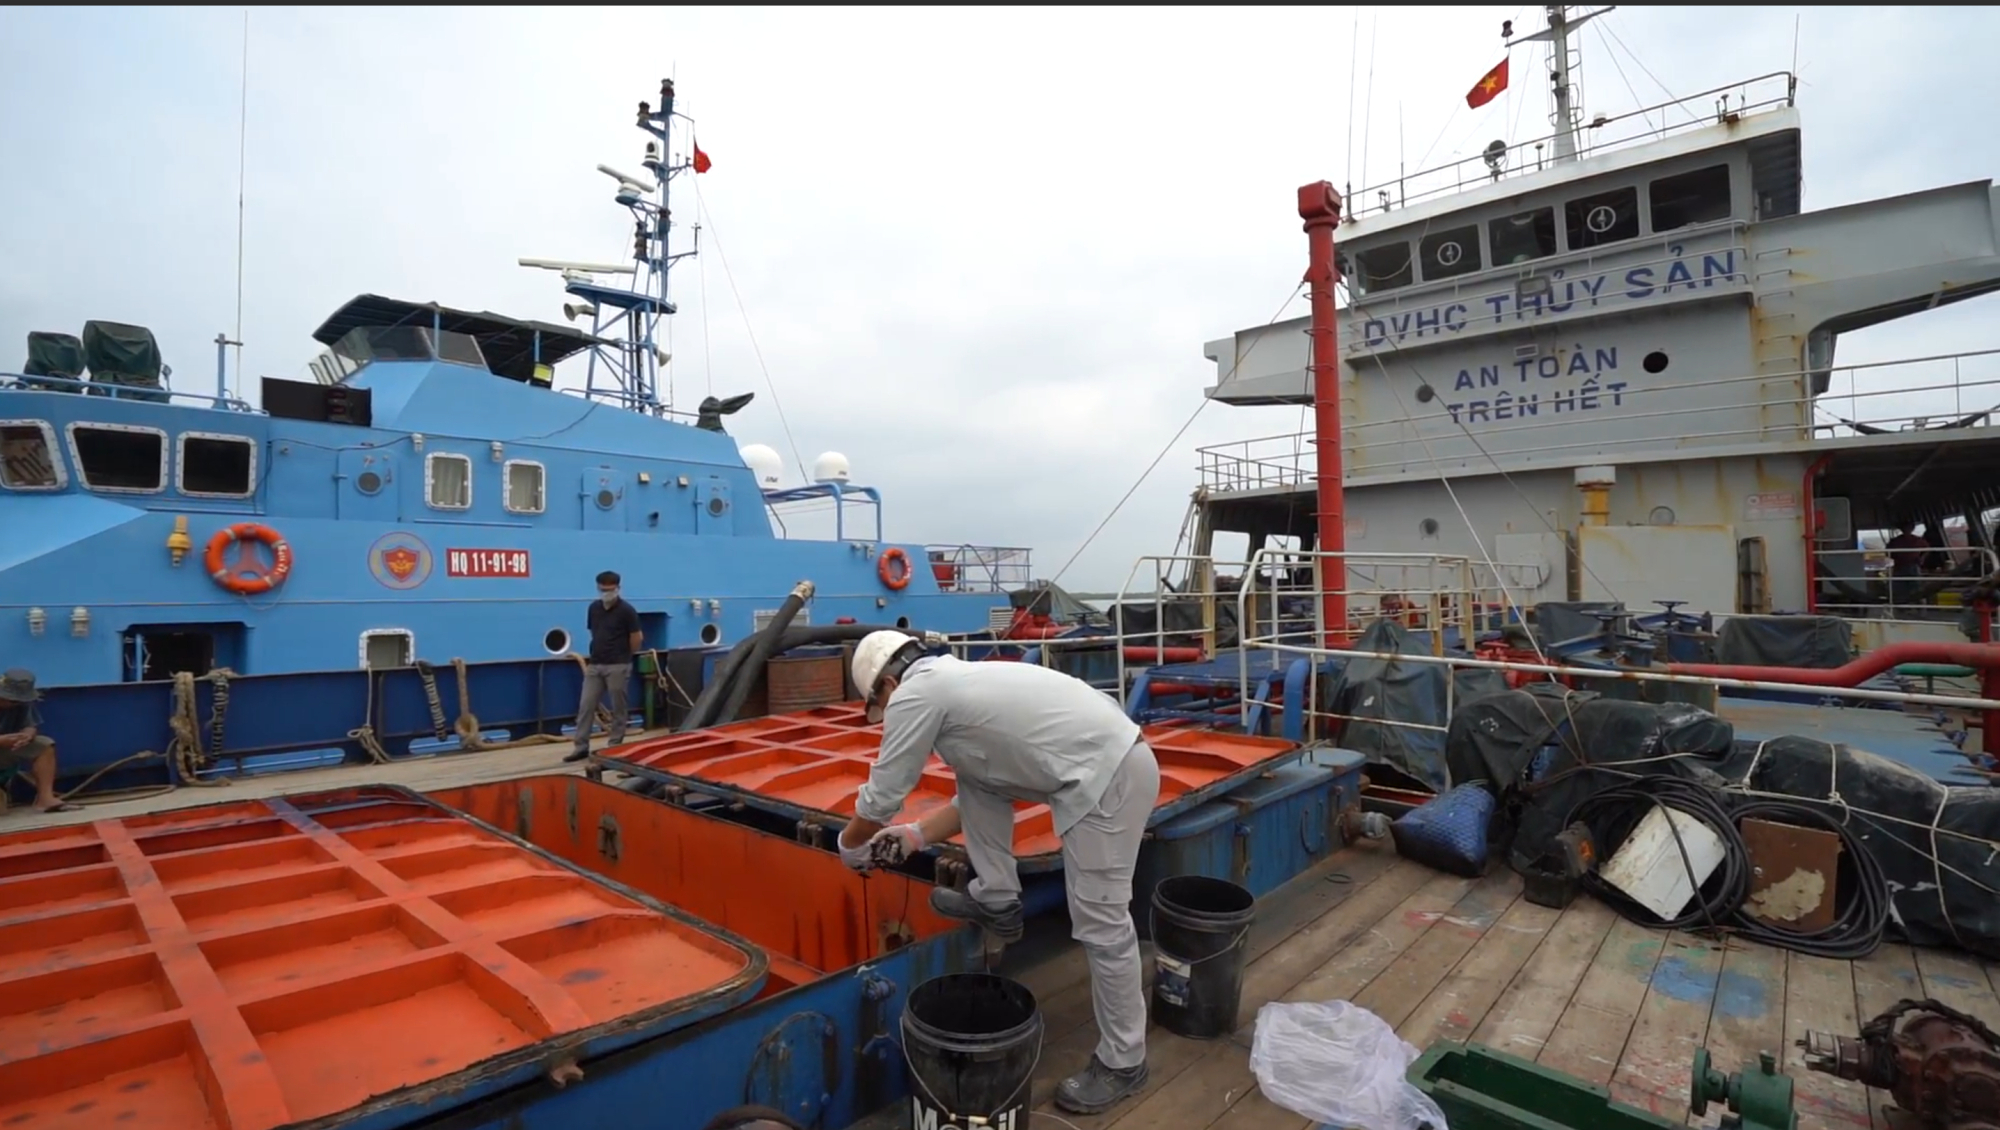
column 1339, row 1064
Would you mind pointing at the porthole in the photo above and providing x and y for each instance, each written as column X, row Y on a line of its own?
column 368, row 482
column 556, row 642
column 1654, row 362
column 902, row 621
column 605, row 499
column 716, row 506
column 710, row 635
column 1661, row 516
column 1428, row 527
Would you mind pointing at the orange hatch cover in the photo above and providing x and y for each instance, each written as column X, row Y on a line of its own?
column 816, row 760
column 259, row 964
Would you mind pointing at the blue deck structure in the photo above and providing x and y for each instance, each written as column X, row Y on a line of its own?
column 430, row 496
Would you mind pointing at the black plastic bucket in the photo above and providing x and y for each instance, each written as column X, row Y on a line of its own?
column 972, row 1041
column 1199, row 926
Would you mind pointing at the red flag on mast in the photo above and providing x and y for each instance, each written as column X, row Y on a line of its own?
column 1488, row 87
column 701, row 162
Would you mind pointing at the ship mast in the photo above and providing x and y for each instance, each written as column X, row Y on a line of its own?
column 630, row 362
column 1564, row 62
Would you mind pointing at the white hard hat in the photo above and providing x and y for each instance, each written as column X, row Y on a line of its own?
column 871, row 657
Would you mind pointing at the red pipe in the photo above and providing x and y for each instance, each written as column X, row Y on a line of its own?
column 1853, row 674
column 1982, row 657
column 1163, row 655
column 1812, row 532
column 1191, row 688
column 1319, row 207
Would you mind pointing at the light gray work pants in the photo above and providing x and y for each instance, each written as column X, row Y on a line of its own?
column 601, row 680
column 1099, row 856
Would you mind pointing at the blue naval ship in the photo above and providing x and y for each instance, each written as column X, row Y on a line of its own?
column 204, row 587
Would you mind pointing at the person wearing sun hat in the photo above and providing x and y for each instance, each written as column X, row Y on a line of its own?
column 23, row 746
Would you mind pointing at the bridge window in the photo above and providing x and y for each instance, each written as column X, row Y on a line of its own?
column 1523, row 236
column 28, row 459
column 523, row 487
column 448, row 481
column 218, row 466
column 1698, row 197
column 1603, row 217
column 1378, row 269
column 1450, row 253
column 119, row 457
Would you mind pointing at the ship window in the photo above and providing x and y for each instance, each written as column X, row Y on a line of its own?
column 118, row 457
column 1450, row 253
column 217, row 465
column 1523, row 236
column 1698, row 197
column 1377, row 269
column 522, row 487
column 28, row 456
column 448, row 480
column 1601, row 218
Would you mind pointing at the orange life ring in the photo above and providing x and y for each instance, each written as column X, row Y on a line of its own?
column 248, row 577
column 897, row 579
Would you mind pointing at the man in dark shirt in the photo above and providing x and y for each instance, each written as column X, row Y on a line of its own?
column 614, row 636
column 1906, row 565
column 22, row 743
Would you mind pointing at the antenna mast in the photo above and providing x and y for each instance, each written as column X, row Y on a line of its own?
column 626, row 320
column 1565, row 60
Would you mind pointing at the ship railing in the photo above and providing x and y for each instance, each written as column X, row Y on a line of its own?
column 1601, row 135
column 39, row 383
column 1583, row 678
column 1449, row 598
column 1913, row 394
column 980, row 568
column 833, row 498
column 1859, row 584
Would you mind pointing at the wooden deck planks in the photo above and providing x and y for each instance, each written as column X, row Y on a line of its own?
column 1522, row 1020
column 1589, row 1036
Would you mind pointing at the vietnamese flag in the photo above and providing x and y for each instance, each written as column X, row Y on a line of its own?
column 1487, row 88
column 702, row 164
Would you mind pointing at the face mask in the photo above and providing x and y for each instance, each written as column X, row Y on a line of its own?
column 608, row 597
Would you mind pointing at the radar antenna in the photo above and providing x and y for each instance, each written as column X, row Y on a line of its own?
column 626, row 357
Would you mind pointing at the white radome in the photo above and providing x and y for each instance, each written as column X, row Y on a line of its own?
column 831, row 467
column 765, row 463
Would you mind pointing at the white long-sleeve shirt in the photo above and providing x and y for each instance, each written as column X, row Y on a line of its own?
column 1018, row 729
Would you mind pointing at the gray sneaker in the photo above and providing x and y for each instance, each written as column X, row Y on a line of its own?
column 1098, row 1088
column 1004, row 922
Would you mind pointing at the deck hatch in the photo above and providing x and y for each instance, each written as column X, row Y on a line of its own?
column 816, row 760
column 263, row 964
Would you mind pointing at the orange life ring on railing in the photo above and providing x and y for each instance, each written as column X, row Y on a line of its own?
column 898, row 578
column 248, row 577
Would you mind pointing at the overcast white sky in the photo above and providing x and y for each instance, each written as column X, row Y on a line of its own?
column 979, row 249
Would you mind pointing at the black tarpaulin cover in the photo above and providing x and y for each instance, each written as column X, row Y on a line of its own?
column 1785, row 641
column 1940, row 896
column 1370, row 691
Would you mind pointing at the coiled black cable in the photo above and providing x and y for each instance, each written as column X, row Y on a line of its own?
column 1861, row 916
column 1613, row 813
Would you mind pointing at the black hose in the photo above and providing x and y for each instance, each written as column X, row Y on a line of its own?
column 704, row 712
column 1862, row 914
column 760, row 652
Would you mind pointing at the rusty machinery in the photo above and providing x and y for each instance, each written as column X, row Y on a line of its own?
column 1940, row 1065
